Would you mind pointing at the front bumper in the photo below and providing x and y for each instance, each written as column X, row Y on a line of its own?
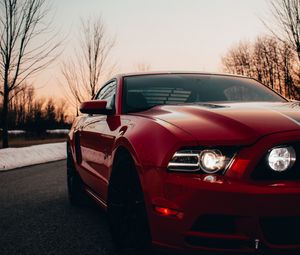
column 222, row 214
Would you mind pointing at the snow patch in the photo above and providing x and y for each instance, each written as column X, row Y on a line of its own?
column 19, row 157
column 16, row 132
column 57, row 131
column 49, row 131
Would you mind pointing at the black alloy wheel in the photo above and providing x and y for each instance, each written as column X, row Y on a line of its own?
column 76, row 193
column 126, row 209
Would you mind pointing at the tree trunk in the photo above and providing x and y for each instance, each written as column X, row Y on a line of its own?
column 298, row 51
column 4, row 118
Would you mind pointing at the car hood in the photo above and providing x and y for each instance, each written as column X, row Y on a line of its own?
column 229, row 123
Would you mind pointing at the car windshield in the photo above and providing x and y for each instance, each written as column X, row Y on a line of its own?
column 146, row 91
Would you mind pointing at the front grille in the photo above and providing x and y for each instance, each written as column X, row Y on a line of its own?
column 264, row 172
column 224, row 224
column 281, row 230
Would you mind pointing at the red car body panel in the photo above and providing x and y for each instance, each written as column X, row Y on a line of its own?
column 153, row 136
column 232, row 194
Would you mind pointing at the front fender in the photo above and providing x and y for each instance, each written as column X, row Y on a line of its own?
column 153, row 142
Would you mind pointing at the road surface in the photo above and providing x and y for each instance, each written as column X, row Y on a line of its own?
column 36, row 218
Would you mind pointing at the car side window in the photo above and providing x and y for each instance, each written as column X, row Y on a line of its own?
column 108, row 92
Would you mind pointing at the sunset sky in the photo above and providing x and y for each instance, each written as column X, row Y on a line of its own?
column 166, row 34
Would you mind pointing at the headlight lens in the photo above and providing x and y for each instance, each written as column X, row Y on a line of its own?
column 281, row 158
column 212, row 161
column 209, row 161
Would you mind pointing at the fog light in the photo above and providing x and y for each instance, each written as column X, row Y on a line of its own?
column 212, row 161
column 281, row 158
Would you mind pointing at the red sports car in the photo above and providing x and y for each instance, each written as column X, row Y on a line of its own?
column 190, row 162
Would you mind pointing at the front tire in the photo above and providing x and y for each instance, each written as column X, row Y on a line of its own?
column 126, row 209
column 76, row 193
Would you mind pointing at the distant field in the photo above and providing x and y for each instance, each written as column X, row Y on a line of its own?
column 20, row 139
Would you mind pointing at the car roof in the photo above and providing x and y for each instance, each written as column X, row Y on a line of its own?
column 177, row 72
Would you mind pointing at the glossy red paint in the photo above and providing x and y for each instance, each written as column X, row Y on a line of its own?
column 233, row 200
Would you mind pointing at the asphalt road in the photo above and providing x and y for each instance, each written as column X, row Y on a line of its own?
column 36, row 218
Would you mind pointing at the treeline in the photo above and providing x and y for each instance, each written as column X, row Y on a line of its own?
column 269, row 60
column 35, row 115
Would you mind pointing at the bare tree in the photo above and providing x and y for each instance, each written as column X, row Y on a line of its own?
column 238, row 59
column 61, row 109
column 20, row 104
column 286, row 14
column 83, row 74
column 265, row 60
column 268, row 60
column 33, row 114
column 143, row 67
column 23, row 52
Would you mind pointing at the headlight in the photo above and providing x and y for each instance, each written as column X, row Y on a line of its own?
column 281, row 158
column 209, row 161
column 212, row 161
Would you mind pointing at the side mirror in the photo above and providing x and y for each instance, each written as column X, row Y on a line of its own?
column 95, row 107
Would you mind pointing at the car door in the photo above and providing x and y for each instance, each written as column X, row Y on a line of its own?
column 93, row 145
